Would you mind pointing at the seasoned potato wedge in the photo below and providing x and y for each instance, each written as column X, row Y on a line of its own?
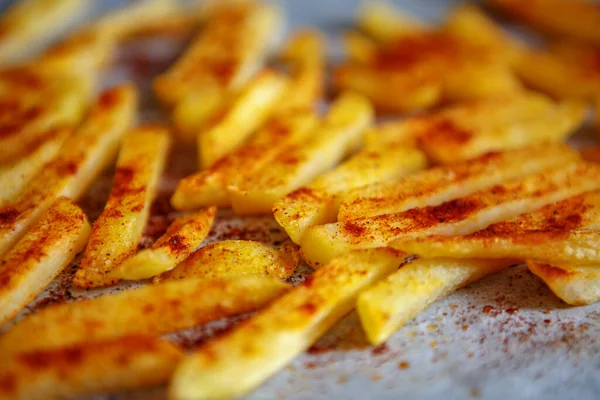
column 461, row 216
column 235, row 122
column 318, row 203
column 563, row 232
column 301, row 162
column 180, row 240
column 15, row 176
column 234, row 364
column 29, row 24
column 438, row 185
column 88, row 368
column 579, row 19
column 390, row 134
column 209, row 187
column 153, row 309
column 386, row 23
column 41, row 255
column 392, row 302
column 469, row 130
column 305, row 54
column 575, row 284
column 83, row 156
column 118, row 231
column 191, row 113
column 238, row 257
column 227, row 52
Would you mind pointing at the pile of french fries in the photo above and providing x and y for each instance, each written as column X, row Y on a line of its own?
column 392, row 216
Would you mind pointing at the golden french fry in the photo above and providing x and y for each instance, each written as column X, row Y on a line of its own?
column 234, row 364
column 118, row 231
column 359, row 48
column 303, row 161
column 82, row 157
column 461, row 216
column 563, row 232
column 305, row 53
column 228, row 51
column 438, row 185
column 234, row 123
column 194, row 111
column 386, row 23
column 47, row 102
column 180, row 240
column 575, row 284
column 15, row 176
column 238, row 257
column 395, row 300
column 41, row 255
column 88, row 368
column 389, row 134
column 209, row 187
column 318, row 203
column 29, row 24
column 466, row 131
column 578, row 19
column 153, row 309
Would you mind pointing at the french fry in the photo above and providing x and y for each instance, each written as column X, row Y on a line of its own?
column 83, row 156
column 563, row 232
column 438, row 185
column 50, row 246
column 318, row 203
column 575, row 284
column 88, row 368
column 300, row 163
column 235, row 122
column 236, row 363
column 466, row 131
column 359, row 49
column 191, row 113
column 461, row 216
column 386, row 23
column 29, row 24
column 228, row 51
column 15, row 176
column 209, row 187
column 180, row 240
column 395, row 300
column 235, row 258
column 579, row 19
column 305, row 54
column 49, row 103
column 153, row 309
column 390, row 134
column 118, row 231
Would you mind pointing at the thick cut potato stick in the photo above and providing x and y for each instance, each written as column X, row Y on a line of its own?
column 15, row 176
column 228, row 51
column 392, row 302
column 318, row 203
column 41, row 255
column 305, row 54
column 386, row 23
column 209, row 187
column 235, row 122
column 83, row 156
column 579, row 19
column 29, row 24
column 153, row 309
column 563, row 232
column 191, row 113
column 183, row 236
column 27, row 118
column 469, row 130
column 301, row 162
column 118, row 231
column 389, row 134
column 236, row 363
column 235, row 258
column 438, row 185
column 575, row 284
column 88, row 368
column 461, row 216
